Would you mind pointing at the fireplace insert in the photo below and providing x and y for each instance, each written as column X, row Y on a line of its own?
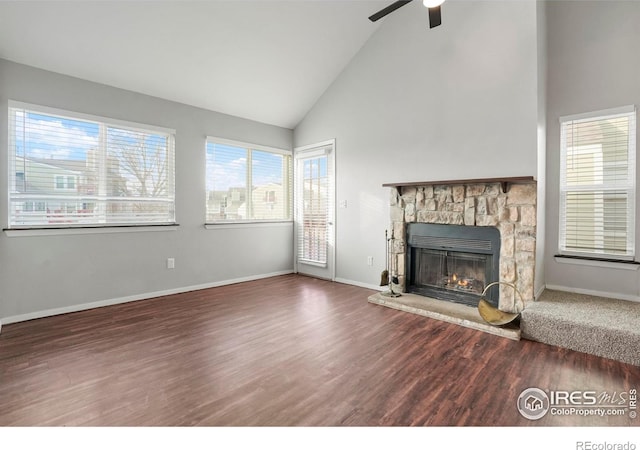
column 453, row 262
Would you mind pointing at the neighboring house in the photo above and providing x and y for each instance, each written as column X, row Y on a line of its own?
column 47, row 188
column 269, row 202
column 61, row 190
column 226, row 205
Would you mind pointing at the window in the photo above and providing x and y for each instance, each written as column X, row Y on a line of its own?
column 247, row 183
column 597, row 184
column 61, row 181
column 77, row 170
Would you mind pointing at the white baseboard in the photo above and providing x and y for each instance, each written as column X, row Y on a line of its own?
column 359, row 284
column 537, row 295
column 133, row 298
column 631, row 298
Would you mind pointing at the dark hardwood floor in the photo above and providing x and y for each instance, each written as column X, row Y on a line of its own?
column 287, row 351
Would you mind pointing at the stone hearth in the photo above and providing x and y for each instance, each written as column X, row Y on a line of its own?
column 509, row 207
column 445, row 311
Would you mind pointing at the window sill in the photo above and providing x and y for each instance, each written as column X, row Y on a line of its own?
column 227, row 225
column 312, row 263
column 26, row 232
column 623, row 265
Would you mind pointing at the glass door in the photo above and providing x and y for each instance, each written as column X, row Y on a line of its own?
column 314, row 211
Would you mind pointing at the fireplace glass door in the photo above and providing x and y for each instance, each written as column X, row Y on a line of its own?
column 457, row 275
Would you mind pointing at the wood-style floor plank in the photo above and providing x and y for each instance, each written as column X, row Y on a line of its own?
column 285, row 351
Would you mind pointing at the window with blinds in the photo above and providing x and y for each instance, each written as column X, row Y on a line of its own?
column 74, row 170
column 247, row 183
column 597, row 184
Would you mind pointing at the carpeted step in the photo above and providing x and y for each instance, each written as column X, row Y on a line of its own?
column 596, row 325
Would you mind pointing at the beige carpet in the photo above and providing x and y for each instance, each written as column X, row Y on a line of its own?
column 600, row 326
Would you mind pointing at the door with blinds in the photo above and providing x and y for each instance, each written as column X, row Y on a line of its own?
column 315, row 209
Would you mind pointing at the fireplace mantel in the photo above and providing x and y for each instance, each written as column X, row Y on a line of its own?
column 504, row 182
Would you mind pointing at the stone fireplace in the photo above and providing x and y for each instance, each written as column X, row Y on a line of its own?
column 505, row 208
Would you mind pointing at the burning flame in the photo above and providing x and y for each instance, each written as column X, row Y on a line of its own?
column 458, row 281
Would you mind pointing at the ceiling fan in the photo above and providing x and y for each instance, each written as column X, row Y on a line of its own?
column 435, row 17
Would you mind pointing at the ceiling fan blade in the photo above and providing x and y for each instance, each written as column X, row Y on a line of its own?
column 388, row 10
column 435, row 17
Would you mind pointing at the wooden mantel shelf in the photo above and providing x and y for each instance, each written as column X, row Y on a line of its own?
column 504, row 182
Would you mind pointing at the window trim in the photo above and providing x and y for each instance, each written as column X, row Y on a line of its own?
column 235, row 223
column 597, row 262
column 598, row 258
column 255, row 224
column 73, row 115
column 42, row 229
column 109, row 229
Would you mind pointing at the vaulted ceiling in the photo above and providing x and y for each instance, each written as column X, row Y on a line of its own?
column 262, row 60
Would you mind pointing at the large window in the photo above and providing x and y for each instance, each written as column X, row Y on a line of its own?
column 74, row 170
column 247, row 182
column 597, row 184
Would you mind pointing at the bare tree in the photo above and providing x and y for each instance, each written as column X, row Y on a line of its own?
column 140, row 169
column 144, row 167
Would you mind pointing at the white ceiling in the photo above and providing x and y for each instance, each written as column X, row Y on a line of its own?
column 263, row 60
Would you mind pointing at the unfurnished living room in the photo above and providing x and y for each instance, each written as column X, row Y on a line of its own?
column 359, row 213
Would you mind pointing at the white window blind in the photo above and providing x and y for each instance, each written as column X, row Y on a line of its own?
column 313, row 206
column 597, row 184
column 74, row 170
column 247, row 182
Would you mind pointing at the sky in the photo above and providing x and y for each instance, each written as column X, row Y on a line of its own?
column 227, row 167
column 44, row 136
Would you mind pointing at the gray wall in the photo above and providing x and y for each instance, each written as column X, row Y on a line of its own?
column 417, row 104
column 52, row 272
column 541, row 17
column 593, row 64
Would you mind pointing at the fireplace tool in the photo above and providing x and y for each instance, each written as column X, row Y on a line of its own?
column 496, row 316
column 384, row 276
column 393, row 278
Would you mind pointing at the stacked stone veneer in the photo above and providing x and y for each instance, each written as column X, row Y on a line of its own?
column 512, row 212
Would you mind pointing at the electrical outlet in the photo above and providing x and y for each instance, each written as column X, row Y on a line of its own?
column 171, row 263
column 369, row 260
column 343, row 203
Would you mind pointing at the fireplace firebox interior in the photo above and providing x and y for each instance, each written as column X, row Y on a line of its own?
column 453, row 262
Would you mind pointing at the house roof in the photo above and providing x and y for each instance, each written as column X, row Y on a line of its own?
column 263, row 60
column 71, row 165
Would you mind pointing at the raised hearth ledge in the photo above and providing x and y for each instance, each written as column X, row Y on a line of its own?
column 504, row 182
column 446, row 311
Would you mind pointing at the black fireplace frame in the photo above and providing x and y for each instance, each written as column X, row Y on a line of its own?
column 450, row 238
